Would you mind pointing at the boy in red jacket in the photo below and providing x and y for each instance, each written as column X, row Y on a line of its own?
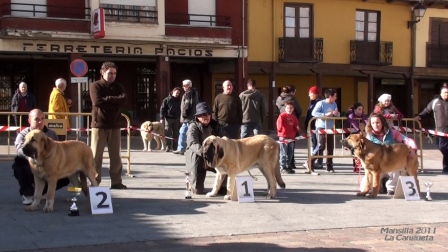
column 287, row 128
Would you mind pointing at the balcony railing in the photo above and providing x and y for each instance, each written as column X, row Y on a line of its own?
column 371, row 53
column 197, row 20
column 130, row 13
column 43, row 11
column 301, row 50
column 437, row 55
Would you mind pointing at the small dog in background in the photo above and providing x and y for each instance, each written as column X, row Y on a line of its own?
column 153, row 130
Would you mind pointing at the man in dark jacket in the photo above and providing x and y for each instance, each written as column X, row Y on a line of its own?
column 438, row 107
column 169, row 116
column 187, row 112
column 228, row 111
column 22, row 101
column 198, row 131
column 254, row 110
column 313, row 93
column 108, row 98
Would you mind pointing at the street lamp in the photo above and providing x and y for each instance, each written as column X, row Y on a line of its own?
column 419, row 12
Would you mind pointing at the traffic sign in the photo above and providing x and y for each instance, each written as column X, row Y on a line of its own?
column 79, row 79
column 78, row 67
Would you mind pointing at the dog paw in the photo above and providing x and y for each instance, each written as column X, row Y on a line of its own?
column 270, row 197
column 144, row 150
column 210, row 194
column 48, row 209
column 150, row 150
column 31, row 207
column 228, row 197
column 361, row 193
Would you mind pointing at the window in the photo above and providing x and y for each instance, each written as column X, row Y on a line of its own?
column 202, row 12
column 367, row 25
column 29, row 8
column 298, row 21
column 133, row 11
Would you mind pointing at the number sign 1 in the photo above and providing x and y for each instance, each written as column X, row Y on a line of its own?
column 100, row 200
column 406, row 188
column 245, row 189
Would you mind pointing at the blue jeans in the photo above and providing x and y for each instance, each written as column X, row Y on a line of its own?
column 286, row 153
column 250, row 129
column 182, row 142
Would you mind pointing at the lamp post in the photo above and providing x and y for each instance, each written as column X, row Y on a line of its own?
column 419, row 12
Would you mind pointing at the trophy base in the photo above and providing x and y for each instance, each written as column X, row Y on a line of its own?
column 73, row 213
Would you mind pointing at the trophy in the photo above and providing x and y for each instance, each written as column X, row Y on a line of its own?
column 76, row 191
column 428, row 187
column 187, row 185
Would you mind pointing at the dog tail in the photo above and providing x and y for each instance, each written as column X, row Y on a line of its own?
column 278, row 176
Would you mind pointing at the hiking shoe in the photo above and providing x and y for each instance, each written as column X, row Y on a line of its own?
column 27, row 200
column 178, row 152
column 118, row 186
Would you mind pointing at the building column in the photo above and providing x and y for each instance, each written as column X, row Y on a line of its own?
column 163, row 77
column 370, row 92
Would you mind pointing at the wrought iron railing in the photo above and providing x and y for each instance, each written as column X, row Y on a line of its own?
column 437, row 55
column 197, row 20
column 301, row 50
column 371, row 53
column 43, row 11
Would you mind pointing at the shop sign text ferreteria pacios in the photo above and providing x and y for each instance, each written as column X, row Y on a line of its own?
column 122, row 48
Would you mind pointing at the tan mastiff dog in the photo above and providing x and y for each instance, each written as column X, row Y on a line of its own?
column 380, row 158
column 233, row 157
column 153, row 130
column 52, row 160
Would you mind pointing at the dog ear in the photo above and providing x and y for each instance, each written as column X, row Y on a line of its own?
column 219, row 151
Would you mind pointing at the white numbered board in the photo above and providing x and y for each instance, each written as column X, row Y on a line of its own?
column 100, row 200
column 244, row 189
column 407, row 188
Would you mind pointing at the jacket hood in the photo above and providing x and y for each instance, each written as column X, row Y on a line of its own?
column 249, row 93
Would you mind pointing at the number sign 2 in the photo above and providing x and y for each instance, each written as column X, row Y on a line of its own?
column 100, row 200
column 406, row 188
column 245, row 189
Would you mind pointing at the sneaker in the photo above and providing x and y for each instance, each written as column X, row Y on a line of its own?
column 118, row 186
column 330, row 168
column 27, row 200
column 178, row 152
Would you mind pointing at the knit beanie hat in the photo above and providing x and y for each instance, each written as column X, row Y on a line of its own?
column 314, row 90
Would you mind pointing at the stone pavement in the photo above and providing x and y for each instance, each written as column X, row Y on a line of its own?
column 313, row 213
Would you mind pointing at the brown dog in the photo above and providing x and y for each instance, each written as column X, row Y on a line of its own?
column 379, row 158
column 153, row 130
column 51, row 160
column 233, row 157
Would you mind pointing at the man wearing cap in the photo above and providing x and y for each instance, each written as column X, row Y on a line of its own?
column 202, row 127
column 313, row 93
column 187, row 112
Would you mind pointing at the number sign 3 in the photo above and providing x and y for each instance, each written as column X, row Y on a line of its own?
column 100, row 200
column 407, row 188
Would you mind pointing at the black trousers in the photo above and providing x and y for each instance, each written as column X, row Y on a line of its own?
column 23, row 174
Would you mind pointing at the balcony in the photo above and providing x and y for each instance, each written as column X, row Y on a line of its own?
column 202, row 26
column 371, row 53
column 301, row 50
column 437, row 55
column 44, row 18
